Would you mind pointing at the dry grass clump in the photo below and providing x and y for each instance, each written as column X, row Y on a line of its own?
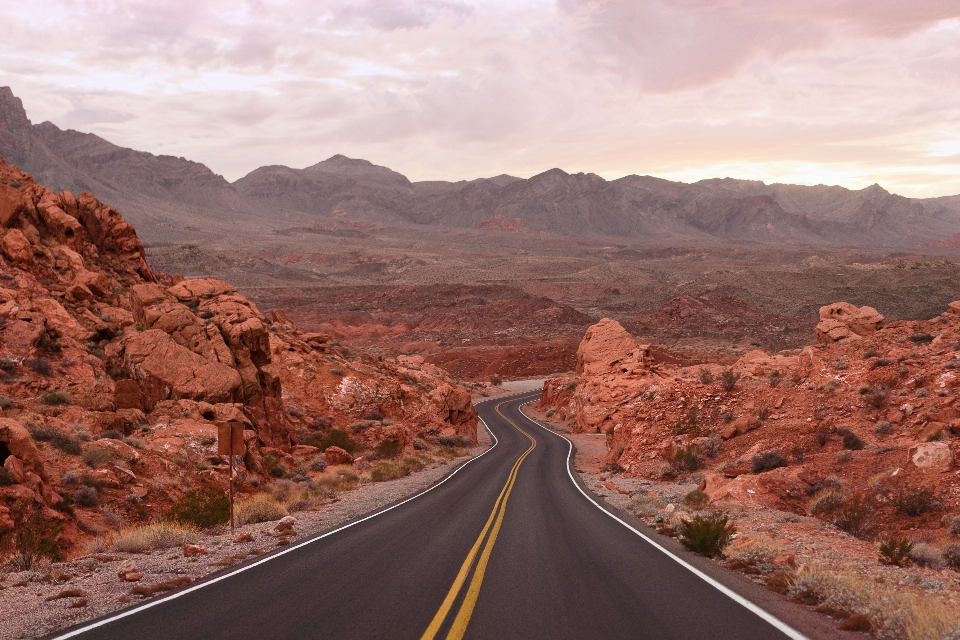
column 894, row 613
column 156, row 535
column 753, row 555
column 262, row 507
column 646, row 505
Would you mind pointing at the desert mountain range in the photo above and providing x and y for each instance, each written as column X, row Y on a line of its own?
column 166, row 197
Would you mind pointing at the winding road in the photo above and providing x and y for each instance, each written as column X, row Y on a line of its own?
column 507, row 546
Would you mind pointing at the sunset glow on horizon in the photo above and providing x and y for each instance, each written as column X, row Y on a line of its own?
column 848, row 92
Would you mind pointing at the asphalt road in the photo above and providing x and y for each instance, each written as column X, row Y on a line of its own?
column 507, row 547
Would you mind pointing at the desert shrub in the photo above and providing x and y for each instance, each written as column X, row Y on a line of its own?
column 613, row 467
column 844, row 455
column 5, row 478
column 204, row 507
column 87, row 496
column 571, row 385
column 5, row 402
column 34, row 540
column 920, row 338
column 164, row 534
column 549, row 412
column 952, row 523
column 951, row 555
column 825, row 502
column 872, row 353
column 113, row 434
column 711, row 446
column 419, row 444
column 262, row 507
column 57, row 438
column 336, row 371
column 388, row 471
column 881, row 362
column 449, row 452
column 876, row 399
column 852, row 441
column 927, row 555
column 936, row 436
column 94, row 457
column 696, row 499
column 55, row 398
column 882, row 428
column 915, row 502
column 318, row 464
column 496, row 380
column 294, row 412
column 856, row 517
column 894, row 551
column 275, row 468
column 645, row 505
column 686, row 459
column 706, row 535
column 922, row 393
column 283, row 491
column 39, row 365
column 706, row 377
column 388, row 449
column 775, row 378
column 831, row 385
column 729, row 379
column 8, row 365
column 454, row 441
column 753, row 556
column 767, row 461
column 343, row 481
column 688, row 423
column 337, row 438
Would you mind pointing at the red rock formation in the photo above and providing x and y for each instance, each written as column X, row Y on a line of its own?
column 843, row 321
column 875, row 413
column 92, row 341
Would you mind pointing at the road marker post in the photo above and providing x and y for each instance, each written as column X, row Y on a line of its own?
column 229, row 441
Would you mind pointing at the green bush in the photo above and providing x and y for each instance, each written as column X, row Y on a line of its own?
column 767, row 461
column 729, row 379
column 706, row 535
column 696, row 499
column 856, row 517
column 204, row 507
column 852, row 441
column 95, row 457
column 34, row 539
column 686, row 459
column 895, row 551
column 915, row 502
column 55, row 398
column 389, row 449
column 57, row 438
column 335, row 438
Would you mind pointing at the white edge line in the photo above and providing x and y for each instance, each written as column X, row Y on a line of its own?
column 730, row 593
column 178, row 594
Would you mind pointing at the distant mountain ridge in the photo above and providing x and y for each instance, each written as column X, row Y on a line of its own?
column 165, row 195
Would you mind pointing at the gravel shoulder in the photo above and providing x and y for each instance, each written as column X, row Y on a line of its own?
column 88, row 587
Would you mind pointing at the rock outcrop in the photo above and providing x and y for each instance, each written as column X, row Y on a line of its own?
column 842, row 321
column 607, row 347
column 116, row 376
column 872, row 411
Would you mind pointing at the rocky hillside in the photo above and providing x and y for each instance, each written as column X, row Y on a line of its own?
column 113, row 377
column 860, row 429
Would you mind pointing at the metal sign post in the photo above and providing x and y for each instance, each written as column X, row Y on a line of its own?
column 230, row 443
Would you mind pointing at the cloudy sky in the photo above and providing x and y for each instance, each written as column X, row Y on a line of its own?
column 846, row 92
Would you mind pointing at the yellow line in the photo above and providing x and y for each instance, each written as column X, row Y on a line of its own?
column 460, row 623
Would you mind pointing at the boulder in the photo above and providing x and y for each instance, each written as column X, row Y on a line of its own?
column 128, row 571
column 336, row 455
column 11, row 206
column 608, row 348
column 191, row 550
column 842, row 322
column 16, row 248
column 164, row 369
column 932, row 456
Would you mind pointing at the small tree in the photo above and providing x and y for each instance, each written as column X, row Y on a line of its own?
column 729, row 379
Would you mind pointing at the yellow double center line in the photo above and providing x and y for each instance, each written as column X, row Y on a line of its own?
column 459, row 626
